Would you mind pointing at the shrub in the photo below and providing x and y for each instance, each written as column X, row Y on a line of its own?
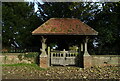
column 31, row 54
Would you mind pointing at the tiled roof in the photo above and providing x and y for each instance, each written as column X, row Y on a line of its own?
column 64, row 26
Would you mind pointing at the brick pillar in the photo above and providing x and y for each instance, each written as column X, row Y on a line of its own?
column 43, row 56
column 87, row 61
column 44, row 62
column 87, row 58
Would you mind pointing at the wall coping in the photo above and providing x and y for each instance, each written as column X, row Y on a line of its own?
column 11, row 53
column 17, row 53
column 105, row 55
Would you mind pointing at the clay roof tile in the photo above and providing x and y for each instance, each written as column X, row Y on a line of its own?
column 64, row 26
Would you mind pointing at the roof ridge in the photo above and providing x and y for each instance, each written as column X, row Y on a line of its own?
column 71, row 26
column 64, row 18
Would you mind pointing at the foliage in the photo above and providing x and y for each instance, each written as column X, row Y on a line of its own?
column 21, row 56
column 19, row 20
column 31, row 54
column 83, row 11
column 103, row 17
column 22, row 20
column 107, row 24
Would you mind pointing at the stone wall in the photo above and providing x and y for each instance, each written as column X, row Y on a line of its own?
column 103, row 60
column 13, row 58
column 95, row 60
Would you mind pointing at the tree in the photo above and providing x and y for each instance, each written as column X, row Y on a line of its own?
column 19, row 20
column 82, row 11
column 22, row 20
column 103, row 17
column 107, row 24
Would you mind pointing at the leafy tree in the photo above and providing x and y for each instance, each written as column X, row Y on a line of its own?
column 82, row 11
column 19, row 20
column 103, row 17
column 107, row 24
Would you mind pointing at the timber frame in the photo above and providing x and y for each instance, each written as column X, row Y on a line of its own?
column 64, row 27
column 64, row 57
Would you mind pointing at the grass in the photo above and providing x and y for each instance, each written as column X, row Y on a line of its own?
column 27, row 65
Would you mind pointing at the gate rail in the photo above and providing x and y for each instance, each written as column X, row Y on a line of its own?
column 62, row 57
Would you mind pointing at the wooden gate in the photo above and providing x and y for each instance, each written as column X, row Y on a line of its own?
column 63, row 57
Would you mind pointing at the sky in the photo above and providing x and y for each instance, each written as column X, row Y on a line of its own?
column 36, row 6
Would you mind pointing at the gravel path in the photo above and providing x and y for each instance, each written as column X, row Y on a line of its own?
column 30, row 72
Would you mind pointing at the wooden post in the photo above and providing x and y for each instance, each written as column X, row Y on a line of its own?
column 64, row 57
column 81, row 47
column 49, row 56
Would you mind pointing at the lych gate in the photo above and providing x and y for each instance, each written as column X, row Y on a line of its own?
column 64, row 29
column 63, row 57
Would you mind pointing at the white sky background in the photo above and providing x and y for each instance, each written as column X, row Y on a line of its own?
column 75, row 0
column 41, row 1
column 36, row 6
